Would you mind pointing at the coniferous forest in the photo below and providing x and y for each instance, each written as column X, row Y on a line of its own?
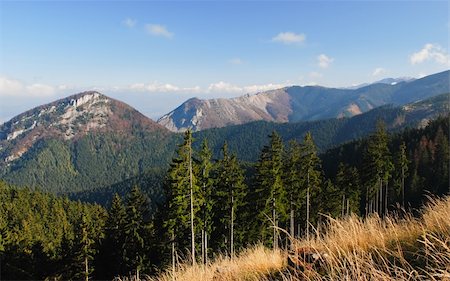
column 220, row 205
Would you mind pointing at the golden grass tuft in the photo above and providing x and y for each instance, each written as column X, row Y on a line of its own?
column 252, row 264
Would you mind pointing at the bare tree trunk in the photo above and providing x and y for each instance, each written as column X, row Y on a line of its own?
column 206, row 247
column 343, row 206
column 173, row 256
column 367, row 201
column 403, row 187
column 307, row 208
column 86, row 269
column 386, row 198
column 232, row 226
column 348, row 207
column 203, row 246
column 291, row 224
column 274, row 217
column 192, row 203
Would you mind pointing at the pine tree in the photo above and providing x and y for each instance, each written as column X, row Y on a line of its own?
column 84, row 249
column 441, row 163
column 229, row 194
column 377, row 170
column 311, row 180
column 205, row 183
column 136, row 231
column 293, row 183
column 270, row 195
column 401, row 170
column 180, row 187
column 348, row 183
column 113, row 245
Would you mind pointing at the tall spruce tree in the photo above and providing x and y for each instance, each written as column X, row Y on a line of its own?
column 401, row 171
column 137, row 230
column 311, row 173
column 293, row 183
column 441, row 163
column 348, row 183
column 377, row 170
column 84, row 248
column 229, row 193
column 204, row 171
column 270, row 194
column 113, row 245
column 180, row 187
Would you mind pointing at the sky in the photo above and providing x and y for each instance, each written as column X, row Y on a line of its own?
column 154, row 55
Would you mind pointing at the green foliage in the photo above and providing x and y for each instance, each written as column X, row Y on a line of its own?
column 40, row 231
column 269, row 198
column 228, row 198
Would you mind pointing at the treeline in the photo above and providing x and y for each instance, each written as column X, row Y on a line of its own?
column 217, row 205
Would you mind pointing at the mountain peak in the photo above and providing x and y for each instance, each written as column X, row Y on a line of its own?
column 70, row 118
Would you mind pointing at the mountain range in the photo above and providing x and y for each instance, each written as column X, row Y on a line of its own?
column 89, row 141
column 296, row 103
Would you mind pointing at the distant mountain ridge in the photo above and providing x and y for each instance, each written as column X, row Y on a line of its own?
column 297, row 103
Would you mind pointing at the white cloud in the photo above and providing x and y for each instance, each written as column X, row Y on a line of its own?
column 130, row 23
column 236, row 61
column 378, row 71
column 324, row 61
column 224, row 87
column 430, row 52
column 11, row 87
column 289, row 38
column 158, row 30
column 157, row 87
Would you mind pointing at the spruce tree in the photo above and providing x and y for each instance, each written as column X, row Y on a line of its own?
column 270, row 195
column 377, row 170
column 311, row 180
column 401, row 171
column 205, row 182
column 348, row 183
column 229, row 194
column 136, row 231
column 180, row 187
column 84, row 249
column 293, row 183
column 113, row 245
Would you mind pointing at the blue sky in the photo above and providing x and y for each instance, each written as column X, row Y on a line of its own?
column 154, row 55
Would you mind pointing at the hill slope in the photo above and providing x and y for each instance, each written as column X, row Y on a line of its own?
column 294, row 104
column 81, row 142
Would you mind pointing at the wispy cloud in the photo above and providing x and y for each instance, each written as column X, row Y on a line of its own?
column 130, row 23
column 431, row 52
column 378, row 71
column 11, row 87
column 324, row 61
column 225, row 87
column 289, row 38
column 236, row 61
column 158, row 87
column 158, row 30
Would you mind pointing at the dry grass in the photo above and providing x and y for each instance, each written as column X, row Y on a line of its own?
column 252, row 264
column 375, row 248
column 384, row 249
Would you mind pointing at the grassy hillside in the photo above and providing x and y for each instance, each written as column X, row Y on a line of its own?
column 398, row 247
